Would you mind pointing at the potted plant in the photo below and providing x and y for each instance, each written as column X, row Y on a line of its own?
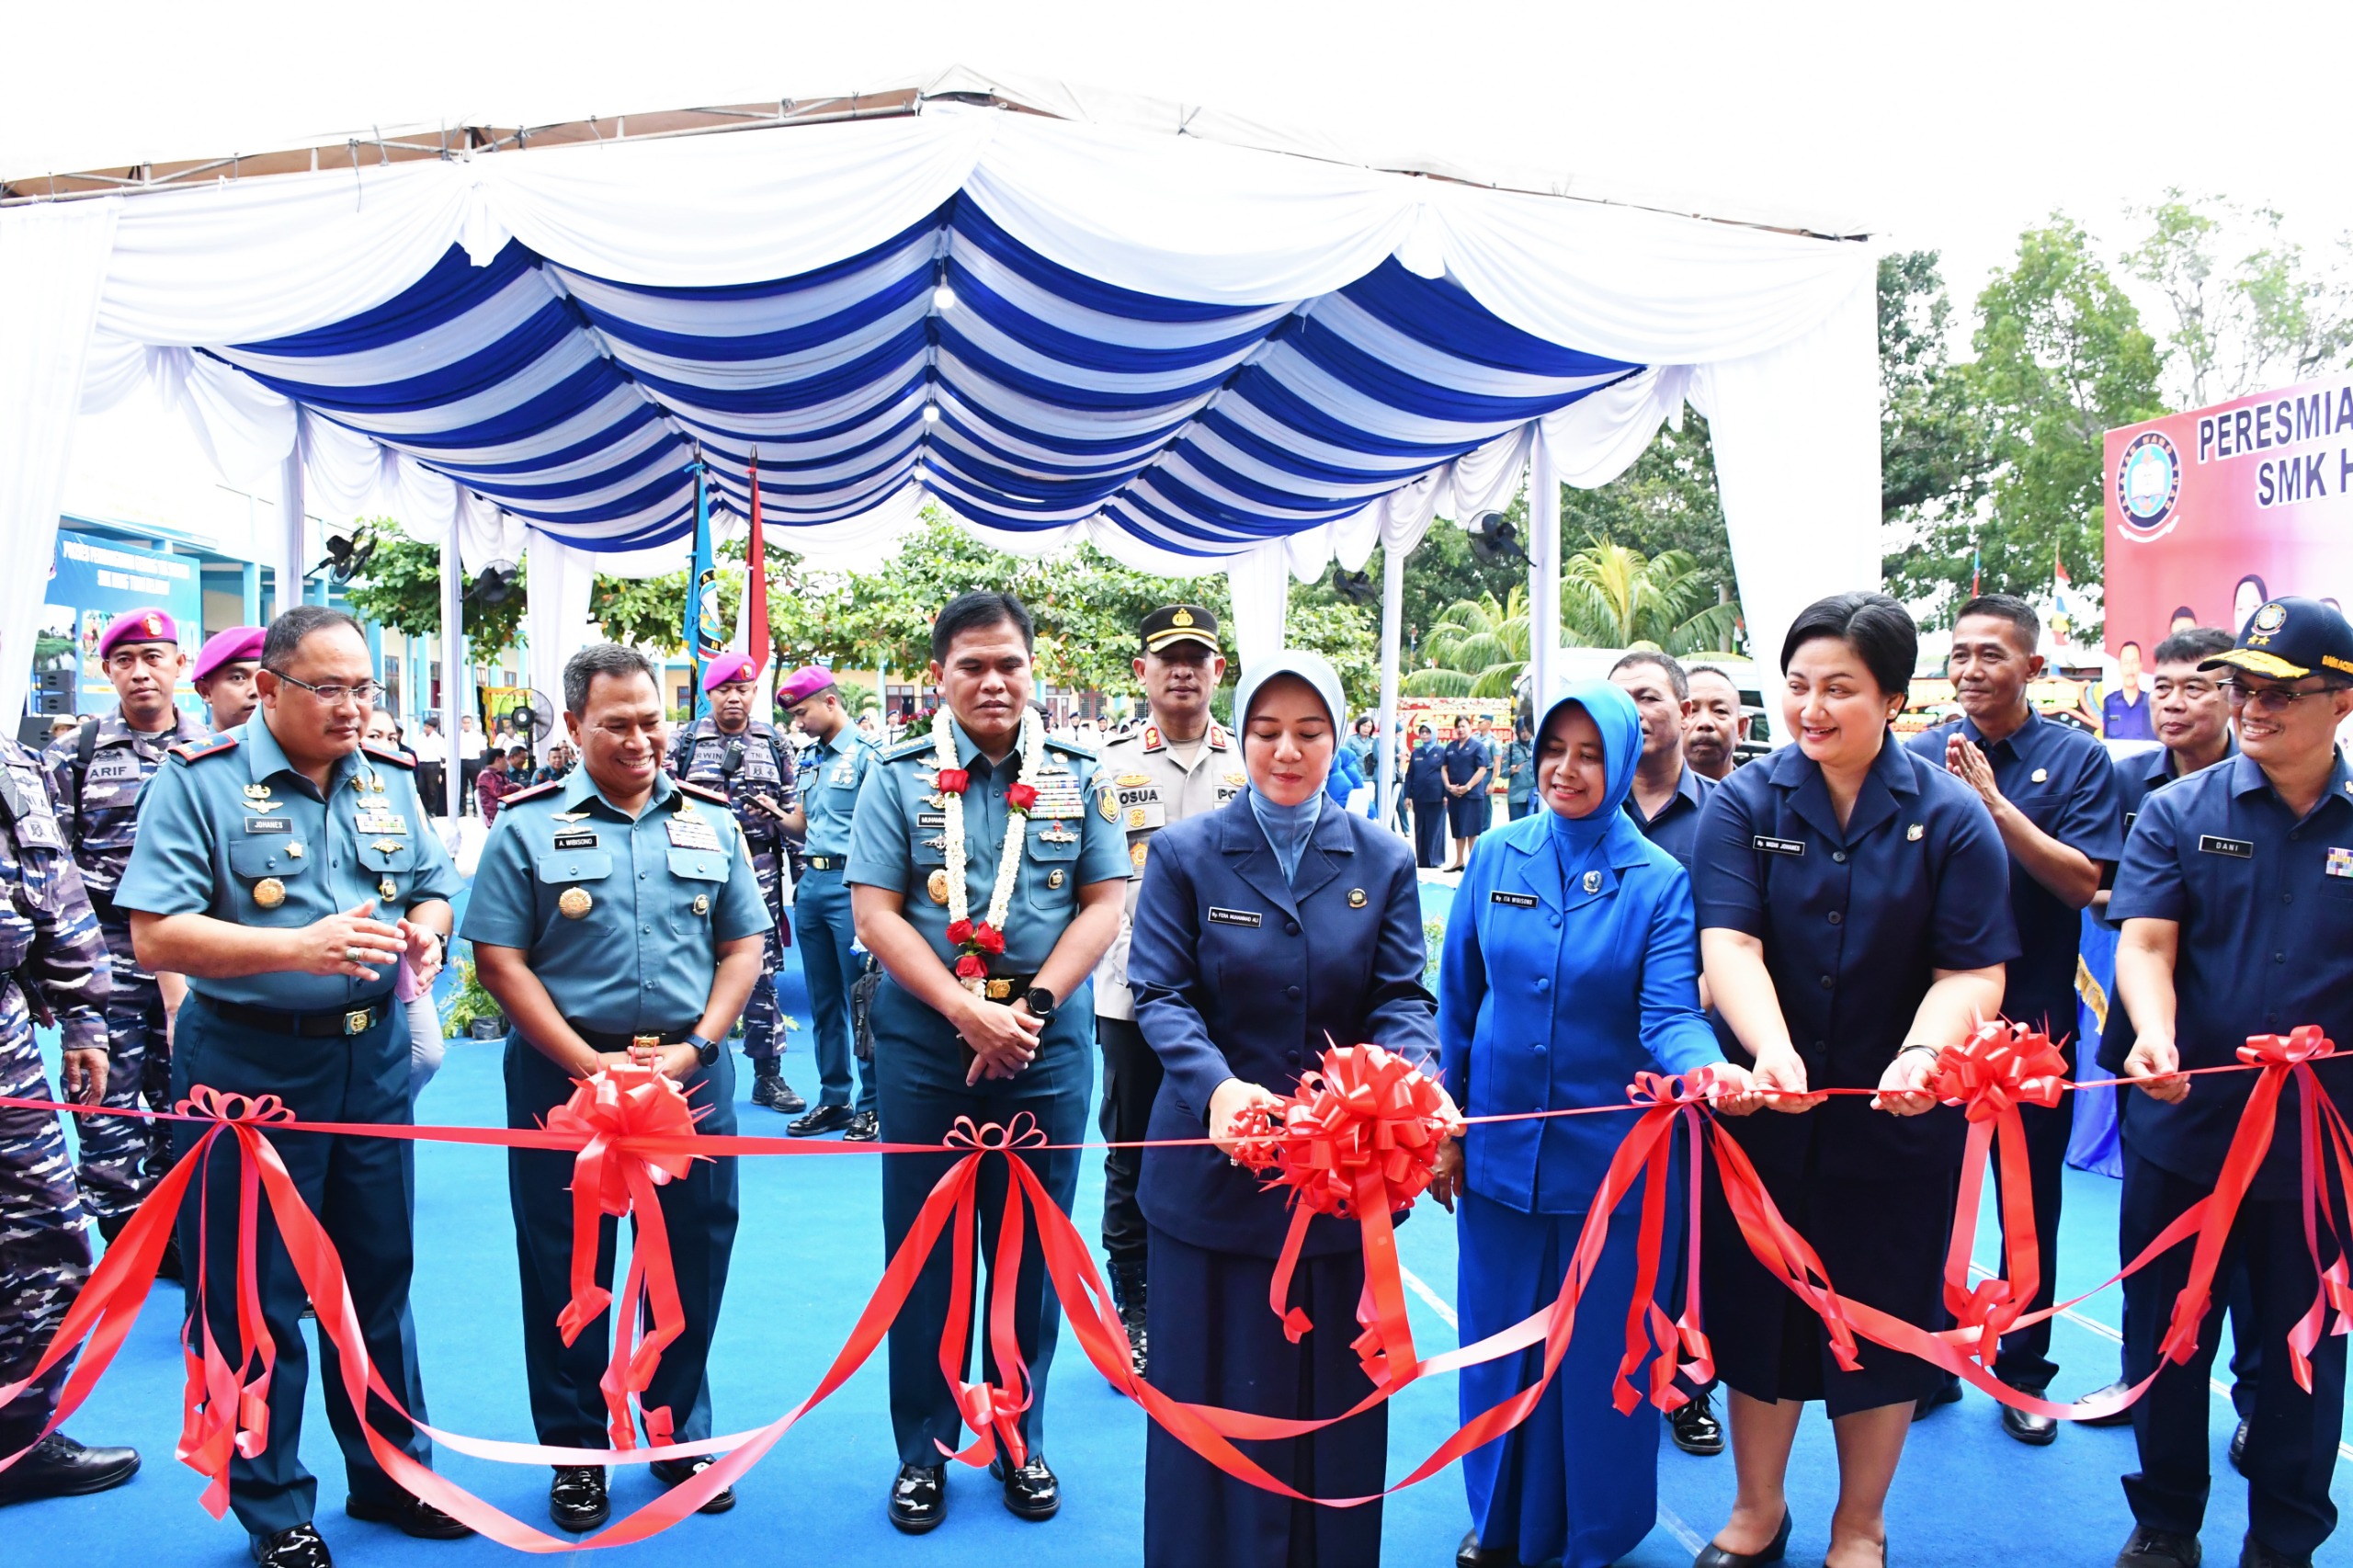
column 472, row 1012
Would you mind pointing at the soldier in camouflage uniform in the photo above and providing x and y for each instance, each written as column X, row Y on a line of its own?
column 94, row 778
column 51, row 956
column 747, row 761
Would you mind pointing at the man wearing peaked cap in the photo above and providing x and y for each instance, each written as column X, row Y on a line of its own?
column 224, row 674
column 2236, row 899
column 1180, row 764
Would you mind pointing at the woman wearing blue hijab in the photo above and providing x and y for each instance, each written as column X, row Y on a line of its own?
column 1569, row 966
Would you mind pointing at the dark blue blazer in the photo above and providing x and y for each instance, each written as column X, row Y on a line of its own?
column 1238, row 975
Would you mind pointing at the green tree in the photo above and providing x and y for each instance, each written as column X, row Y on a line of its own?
column 1932, row 447
column 2269, row 317
column 1614, row 597
column 401, row 587
column 1477, row 648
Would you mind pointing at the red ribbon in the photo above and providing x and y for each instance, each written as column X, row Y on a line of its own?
column 1990, row 1074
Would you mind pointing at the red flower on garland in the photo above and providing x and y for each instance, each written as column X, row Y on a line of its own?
column 954, row 780
column 960, row 932
column 988, row 938
column 1021, row 797
column 971, row 966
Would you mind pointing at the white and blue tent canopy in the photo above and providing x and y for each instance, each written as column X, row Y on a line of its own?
column 1196, row 354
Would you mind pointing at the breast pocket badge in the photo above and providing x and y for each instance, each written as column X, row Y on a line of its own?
column 935, row 887
column 574, row 903
column 2340, row 862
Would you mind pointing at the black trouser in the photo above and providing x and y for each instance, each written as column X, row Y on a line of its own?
column 432, row 789
column 1132, row 1076
column 2291, row 1435
column 468, row 771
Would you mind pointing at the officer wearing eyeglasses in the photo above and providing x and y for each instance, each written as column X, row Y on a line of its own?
column 286, row 868
column 2236, row 899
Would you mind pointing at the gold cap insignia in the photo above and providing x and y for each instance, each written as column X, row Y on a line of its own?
column 574, row 902
column 1912, row 835
column 269, row 893
column 1182, row 618
column 2271, row 617
column 1357, row 899
column 936, row 885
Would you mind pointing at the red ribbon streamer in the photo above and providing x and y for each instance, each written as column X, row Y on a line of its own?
column 1990, row 1074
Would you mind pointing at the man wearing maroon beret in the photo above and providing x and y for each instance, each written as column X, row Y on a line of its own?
column 224, row 674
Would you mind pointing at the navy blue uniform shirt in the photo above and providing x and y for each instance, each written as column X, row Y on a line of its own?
column 1425, row 774
column 1463, row 759
column 2062, row 779
column 1854, row 920
column 1676, row 829
column 2264, row 903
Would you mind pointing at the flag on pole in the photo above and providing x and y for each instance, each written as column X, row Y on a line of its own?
column 1976, row 568
column 702, row 633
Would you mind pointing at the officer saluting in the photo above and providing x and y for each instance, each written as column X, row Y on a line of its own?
column 264, row 856
column 751, row 766
column 2236, row 898
column 1179, row 765
column 52, row 956
column 965, row 1030
column 616, row 918
column 839, row 764
column 93, row 778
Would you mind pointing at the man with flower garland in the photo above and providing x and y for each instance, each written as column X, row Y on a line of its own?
column 987, row 872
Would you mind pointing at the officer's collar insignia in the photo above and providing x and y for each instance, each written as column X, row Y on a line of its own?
column 1152, row 740
column 1912, row 835
column 1593, row 882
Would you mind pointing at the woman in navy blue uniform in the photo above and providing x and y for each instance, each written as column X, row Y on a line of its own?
column 1853, row 919
column 1426, row 792
column 1570, row 965
column 1261, row 929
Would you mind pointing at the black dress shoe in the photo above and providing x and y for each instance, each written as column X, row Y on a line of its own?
column 919, row 1499
column 298, row 1548
column 2036, row 1431
column 1471, row 1554
column 776, row 1095
column 578, row 1500
column 824, row 1119
column 1714, row 1556
column 2238, row 1447
column 1030, row 1493
column 2124, row 1418
column 677, row 1472
column 2159, row 1549
column 2255, row 1554
column 60, row 1467
column 865, row 1126
column 411, row 1516
column 1948, row 1392
column 1694, row 1428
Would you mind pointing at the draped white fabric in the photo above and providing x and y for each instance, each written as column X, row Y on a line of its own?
column 53, row 263
column 555, row 619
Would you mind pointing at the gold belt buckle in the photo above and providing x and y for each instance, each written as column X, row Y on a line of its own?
column 645, row 1043
column 999, row 990
column 356, row 1022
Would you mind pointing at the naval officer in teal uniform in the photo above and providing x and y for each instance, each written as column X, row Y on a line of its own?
column 616, row 917
column 964, row 1030
column 285, row 868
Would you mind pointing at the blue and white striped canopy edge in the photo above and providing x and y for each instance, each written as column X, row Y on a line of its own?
column 1021, row 394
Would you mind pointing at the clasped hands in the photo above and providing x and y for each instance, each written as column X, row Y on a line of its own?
column 1003, row 1039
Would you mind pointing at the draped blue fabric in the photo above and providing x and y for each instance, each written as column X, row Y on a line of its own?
column 1036, row 398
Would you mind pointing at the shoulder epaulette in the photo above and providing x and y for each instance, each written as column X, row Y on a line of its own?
column 700, row 792
column 1219, row 736
column 907, row 748
column 196, row 750
column 388, row 756
column 533, row 793
column 1072, row 748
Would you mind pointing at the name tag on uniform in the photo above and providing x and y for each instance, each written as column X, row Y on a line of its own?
column 1249, row 917
column 272, row 824
column 584, row 839
column 692, row 833
column 1772, row 845
column 113, row 766
column 931, row 819
column 2237, row 849
column 1514, row 900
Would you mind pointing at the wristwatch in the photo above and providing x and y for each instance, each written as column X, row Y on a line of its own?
column 1041, row 1003
column 706, row 1051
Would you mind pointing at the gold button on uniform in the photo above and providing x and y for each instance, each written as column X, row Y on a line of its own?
column 574, row 903
column 269, row 893
column 386, row 889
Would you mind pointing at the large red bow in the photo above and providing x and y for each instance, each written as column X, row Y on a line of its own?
column 1989, row 1075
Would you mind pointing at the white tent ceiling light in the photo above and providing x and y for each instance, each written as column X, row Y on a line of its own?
column 1185, row 351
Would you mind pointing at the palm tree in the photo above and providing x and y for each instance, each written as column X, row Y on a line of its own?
column 1612, row 597
column 1476, row 648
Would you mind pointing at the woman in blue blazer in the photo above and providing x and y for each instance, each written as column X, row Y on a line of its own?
column 1262, row 931
column 1569, row 966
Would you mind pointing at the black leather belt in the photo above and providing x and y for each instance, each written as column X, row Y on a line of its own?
column 320, row 1024
column 605, row 1040
column 826, row 862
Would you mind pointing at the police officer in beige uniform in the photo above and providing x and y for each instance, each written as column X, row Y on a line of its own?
column 1181, row 763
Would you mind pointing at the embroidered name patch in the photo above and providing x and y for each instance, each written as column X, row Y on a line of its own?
column 269, row 825
column 1514, row 900
column 2237, row 849
column 1249, row 917
column 1772, row 845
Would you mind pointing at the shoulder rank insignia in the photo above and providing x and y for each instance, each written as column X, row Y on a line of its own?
column 196, row 750
column 1152, row 740
column 388, row 756
column 1219, row 739
column 1070, row 749
column 700, row 792
column 533, row 793
column 908, row 748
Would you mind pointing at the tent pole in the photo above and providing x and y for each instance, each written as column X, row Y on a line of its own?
column 290, row 523
column 1543, row 573
column 453, row 664
column 1392, row 626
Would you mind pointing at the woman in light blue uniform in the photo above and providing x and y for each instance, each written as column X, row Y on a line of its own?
column 1569, row 966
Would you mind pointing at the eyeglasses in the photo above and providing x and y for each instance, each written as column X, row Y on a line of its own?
column 334, row 692
column 2270, row 699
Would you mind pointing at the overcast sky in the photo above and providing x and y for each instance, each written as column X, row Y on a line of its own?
column 1947, row 126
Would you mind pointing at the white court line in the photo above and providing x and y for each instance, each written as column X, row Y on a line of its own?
column 1430, row 1298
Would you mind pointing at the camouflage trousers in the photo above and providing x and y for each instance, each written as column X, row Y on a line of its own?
column 124, row 1156
column 763, row 1034
column 44, row 1235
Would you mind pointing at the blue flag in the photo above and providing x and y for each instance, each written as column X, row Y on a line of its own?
column 702, row 633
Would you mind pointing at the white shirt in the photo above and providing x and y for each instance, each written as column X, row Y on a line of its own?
column 470, row 744
column 430, row 747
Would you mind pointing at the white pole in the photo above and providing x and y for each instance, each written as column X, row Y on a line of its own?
column 1543, row 573
column 1392, row 636
column 453, row 664
column 289, row 524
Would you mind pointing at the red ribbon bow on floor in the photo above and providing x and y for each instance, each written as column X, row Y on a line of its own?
column 1359, row 1138
column 1989, row 1075
column 614, row 1175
